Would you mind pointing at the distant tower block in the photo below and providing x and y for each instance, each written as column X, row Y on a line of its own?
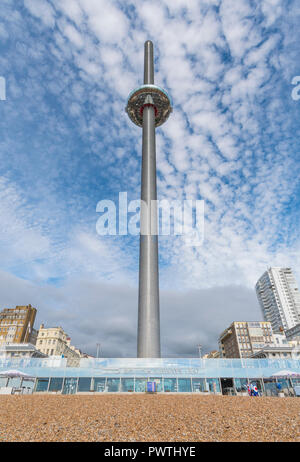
column 148, row 106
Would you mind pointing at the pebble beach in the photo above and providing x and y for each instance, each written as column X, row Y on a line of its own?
column 142, row 418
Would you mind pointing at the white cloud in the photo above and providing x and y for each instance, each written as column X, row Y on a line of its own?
column 106, row 21
column 91, row 311
column 43, row 10
column 229, row 140
column 21, row 240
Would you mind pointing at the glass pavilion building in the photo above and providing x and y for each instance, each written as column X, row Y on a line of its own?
column 172, row 375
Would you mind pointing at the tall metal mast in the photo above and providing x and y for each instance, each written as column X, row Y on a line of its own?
column 148, row 107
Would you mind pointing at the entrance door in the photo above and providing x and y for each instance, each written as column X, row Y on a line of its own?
column 227, row 386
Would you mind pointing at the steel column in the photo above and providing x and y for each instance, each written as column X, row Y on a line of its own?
column 148, row 310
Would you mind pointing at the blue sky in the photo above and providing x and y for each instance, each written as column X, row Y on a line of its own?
column 66, row 143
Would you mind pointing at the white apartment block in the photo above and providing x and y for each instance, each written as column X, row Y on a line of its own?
column 281, row 348
column 279, row 298
column 53, row 341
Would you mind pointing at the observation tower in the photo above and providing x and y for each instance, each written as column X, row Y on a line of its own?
column 148, row 106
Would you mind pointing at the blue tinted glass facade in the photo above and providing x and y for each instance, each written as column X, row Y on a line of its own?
column 170, row 385
column 84, row 384
column 184, row 385
column 113, row 385
column 131, row 374
column 140, row 385
column 70, row 386
column 241, row 385
column 127, row 385
column 99, row 384
column 198, row 385
column 56, row 384
column 14, row 382
column 42, row 385
column 3, row 381
column 213, row 385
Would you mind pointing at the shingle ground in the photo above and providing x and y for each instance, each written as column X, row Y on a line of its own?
column 148, row 418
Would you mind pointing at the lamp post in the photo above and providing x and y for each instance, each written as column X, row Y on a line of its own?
column 199, row 346
column 98, row 349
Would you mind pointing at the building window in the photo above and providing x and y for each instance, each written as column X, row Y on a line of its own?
column 42, row 385
column 184, row 385
column 84, row 384
column 56, row 384
column 113, row 384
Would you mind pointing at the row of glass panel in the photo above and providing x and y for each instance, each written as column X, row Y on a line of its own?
column 71, row 385
column 269, row 365
column 16, row 382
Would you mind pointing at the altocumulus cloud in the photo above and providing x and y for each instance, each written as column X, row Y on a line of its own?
column 67, row 143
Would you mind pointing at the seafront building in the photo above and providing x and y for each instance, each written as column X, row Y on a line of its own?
column 289, row 351
column 256, row 340
column 18, row 338
column 20, row 350
column 16, row 325
column 279, row 298
column 172, row 375
column 242, row 339
column 53, row 341
column 280, row 348
column 66, row 372
column 293, row 333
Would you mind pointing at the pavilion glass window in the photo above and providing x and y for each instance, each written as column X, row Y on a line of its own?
column 198, row 385
column 285, row 385
column 3, row 381
column 56, row 384
column 170, row 385
column 113, row 384
column 127, row 384
column 28, row 385
column 70, row 386
column 84, row 384
column 140, row 385
column 184, row 385
column 270, row 387
column 240, row 384
column 99, row 384
column 42, row 385
column 14, row 382
column 213, row 385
